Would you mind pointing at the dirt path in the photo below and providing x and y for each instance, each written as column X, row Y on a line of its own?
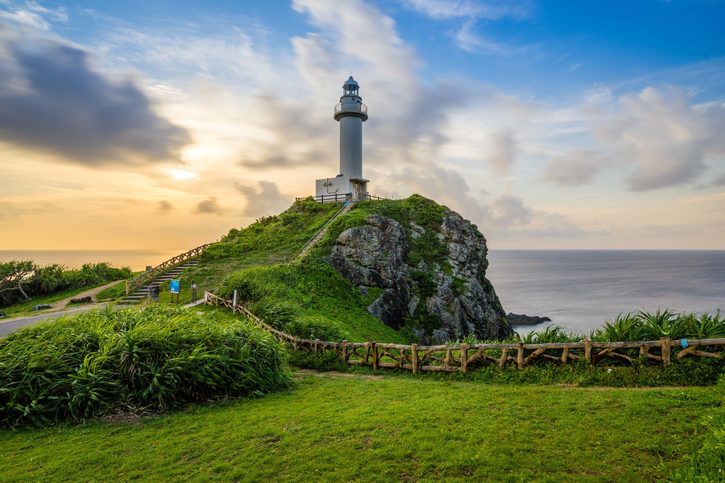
column 61, row 304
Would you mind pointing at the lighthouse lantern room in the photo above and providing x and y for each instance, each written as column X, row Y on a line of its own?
column 350, row 112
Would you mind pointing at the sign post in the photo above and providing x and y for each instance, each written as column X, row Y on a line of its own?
column 174, row 289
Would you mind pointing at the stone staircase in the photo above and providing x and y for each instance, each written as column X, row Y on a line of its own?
column 142, row 292
column 323, row 230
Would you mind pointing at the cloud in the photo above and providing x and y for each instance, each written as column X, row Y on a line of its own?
column 208, row 206
column 32, row 14
column 506, row 217
column 407, row 118
column 575, row 167
column 490, row 10
column 511, row 210
column 502, row 151
column 165, row 206
column 665, row 138
column 471, row 41
column 267, row 200
column 55, row 101
column 719, row 181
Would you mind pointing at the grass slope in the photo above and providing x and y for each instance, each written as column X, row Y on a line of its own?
column 270, row 240
column 383, row 429
column 310, row 299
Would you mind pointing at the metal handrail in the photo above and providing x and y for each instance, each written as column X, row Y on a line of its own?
column 337, row 198
column 324, row 226
column 363, row 109
column 139, row 280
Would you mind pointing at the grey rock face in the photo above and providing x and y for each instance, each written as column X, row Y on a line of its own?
column 453, row 297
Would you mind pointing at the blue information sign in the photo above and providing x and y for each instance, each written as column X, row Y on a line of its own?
column 174, row 286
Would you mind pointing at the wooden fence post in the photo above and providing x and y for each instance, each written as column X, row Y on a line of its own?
column 588, row 350
column 666, row 351
column 317, row 343
column 464, row 357
column 414, row 357
column 344, row 351
column 565, row 355
column 375, row 356
column 504, row 356
column 520, row 355
column 366, row 361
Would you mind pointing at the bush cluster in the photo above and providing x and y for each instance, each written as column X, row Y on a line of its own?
column 632, row 327
column 152, row 358
column 51, row 279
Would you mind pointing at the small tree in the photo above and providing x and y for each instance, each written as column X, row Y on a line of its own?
column 14, row 274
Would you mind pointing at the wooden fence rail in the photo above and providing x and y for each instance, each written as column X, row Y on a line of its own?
column 136, row 282
column 462, row 357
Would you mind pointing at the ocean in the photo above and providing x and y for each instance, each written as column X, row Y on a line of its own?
column 135, row 259
column 578, row 290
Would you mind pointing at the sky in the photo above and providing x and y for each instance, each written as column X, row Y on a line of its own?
column 549, row 124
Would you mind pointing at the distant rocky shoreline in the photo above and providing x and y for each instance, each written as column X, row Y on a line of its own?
column 523, row 319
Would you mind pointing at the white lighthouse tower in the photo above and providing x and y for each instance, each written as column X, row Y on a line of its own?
column 349, row 184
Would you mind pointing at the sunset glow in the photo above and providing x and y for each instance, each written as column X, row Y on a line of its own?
column 157, row 124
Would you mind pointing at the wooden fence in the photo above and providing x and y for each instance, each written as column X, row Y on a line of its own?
column 462, row 357
column 136, row 282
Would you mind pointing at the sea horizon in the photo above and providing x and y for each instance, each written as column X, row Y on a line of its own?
column 578, row 289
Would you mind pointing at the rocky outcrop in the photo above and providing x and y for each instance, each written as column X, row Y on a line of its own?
column 431, row 280
column 523, row 319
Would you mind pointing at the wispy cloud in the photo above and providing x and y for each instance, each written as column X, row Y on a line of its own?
column 263, row 200
column 208, row 206
column 32, row 14
column 490, row 10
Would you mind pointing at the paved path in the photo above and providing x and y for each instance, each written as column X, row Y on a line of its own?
column 11, row 325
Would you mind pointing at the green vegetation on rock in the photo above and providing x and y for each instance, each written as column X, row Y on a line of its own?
column 148, row 358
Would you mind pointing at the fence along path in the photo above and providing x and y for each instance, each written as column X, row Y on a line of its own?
column 136, row 282
column 462, row 357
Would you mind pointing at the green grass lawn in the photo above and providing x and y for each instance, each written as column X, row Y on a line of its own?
column 27, row 306
column 343, row 427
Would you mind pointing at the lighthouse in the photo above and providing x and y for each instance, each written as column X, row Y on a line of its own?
column 349, row 184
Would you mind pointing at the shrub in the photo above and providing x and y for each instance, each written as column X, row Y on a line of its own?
column 153, row 357
column 52, row 279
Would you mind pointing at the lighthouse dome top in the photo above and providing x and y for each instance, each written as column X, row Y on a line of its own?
column 350, row 87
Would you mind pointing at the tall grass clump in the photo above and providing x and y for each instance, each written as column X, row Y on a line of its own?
column 655, row 325
column 151, row 358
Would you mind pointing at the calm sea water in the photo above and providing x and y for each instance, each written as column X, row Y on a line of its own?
column 135, row 259
column 578, row 290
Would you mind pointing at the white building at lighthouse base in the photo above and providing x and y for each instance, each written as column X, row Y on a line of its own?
column 340, row 188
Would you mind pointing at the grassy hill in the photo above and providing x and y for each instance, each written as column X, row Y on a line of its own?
column 308, row 297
